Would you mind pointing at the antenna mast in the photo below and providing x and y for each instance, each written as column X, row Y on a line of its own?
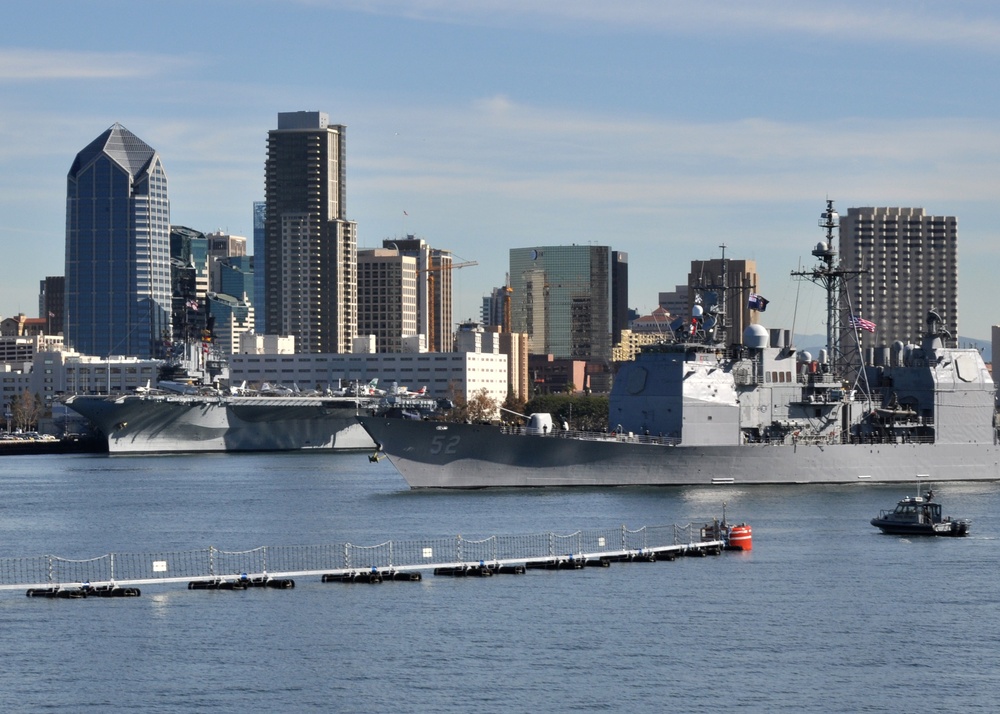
column 831, row 276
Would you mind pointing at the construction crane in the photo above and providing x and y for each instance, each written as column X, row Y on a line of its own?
column 431, row 331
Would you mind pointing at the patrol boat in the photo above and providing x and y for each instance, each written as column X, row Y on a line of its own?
column 919, row 515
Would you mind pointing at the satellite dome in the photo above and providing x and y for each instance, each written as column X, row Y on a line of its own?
column 697, row 311
column 755, row 337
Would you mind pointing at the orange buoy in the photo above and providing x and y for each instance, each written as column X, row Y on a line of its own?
column 741, row 537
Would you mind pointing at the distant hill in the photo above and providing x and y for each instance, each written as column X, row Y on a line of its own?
column 814, row 343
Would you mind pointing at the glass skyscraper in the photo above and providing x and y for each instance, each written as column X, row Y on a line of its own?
column 562, row 297
column 117, row 248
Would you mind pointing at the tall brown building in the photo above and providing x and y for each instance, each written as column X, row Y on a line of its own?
column 310, row 247
column 907, row 265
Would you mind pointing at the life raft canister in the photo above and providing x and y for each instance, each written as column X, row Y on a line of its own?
column 741, row 537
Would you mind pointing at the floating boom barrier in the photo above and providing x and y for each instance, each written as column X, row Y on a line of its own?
column 121, row 574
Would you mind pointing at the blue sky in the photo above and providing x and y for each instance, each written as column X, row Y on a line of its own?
column 664, row 129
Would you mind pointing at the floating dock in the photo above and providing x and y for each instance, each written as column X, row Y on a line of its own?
column 121, row 574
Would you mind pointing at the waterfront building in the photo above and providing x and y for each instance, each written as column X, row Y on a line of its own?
column 445, row 374
column 310, row 247
column 904, row 264
column 117, row 298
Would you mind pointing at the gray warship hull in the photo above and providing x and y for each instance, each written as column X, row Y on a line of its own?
column 432, row 454
column 186, row 423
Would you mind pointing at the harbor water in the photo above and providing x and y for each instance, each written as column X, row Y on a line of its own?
column 825, row 614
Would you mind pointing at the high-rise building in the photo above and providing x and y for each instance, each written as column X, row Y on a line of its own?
column 189, row 278
column 310, row 247
column 387, row 297
column 52, row 303
column 230, row 309
column 496, row 307
column 229, row 252
column 225, row 245
column 562, row 297
column 117, row 248
column 230, row 317
column 619, row 295
column 259, row 236
column 434, row 290
column 906, row 264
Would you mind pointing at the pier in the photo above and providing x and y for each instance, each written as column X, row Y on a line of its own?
column 121, row 574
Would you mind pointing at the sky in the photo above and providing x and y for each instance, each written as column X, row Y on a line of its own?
column 665, row 129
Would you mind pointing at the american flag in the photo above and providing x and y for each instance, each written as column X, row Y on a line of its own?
column 860, row 323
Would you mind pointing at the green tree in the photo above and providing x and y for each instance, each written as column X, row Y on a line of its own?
column 583, row 412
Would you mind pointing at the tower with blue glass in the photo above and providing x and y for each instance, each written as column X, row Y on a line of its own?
column 118, row 294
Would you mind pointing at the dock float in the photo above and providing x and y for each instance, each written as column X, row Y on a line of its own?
column 117, row 575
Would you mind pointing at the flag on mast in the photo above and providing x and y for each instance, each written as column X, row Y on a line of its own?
column 860, row 323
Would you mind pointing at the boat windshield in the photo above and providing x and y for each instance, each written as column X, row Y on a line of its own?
column 931, row 511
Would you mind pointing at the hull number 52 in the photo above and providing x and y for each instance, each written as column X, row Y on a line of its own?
column 444, row 444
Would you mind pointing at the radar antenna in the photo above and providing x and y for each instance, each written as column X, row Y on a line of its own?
column 833, row 278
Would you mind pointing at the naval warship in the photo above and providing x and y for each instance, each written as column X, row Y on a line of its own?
column 696, row 410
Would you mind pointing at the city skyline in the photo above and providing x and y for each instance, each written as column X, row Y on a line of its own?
column 663, row 129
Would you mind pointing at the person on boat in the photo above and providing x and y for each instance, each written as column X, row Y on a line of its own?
column 930, row 494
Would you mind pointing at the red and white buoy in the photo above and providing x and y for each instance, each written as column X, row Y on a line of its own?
column 741, row 537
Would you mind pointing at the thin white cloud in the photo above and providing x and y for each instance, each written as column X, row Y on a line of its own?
column 22, row 64
column 495, row 146
column 961, row 23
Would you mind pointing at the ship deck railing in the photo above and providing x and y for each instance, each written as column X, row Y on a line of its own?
column 212, row 564
column 582, row 435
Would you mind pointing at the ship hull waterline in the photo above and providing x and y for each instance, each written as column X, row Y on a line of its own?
column 467, row 456
column 146, row 426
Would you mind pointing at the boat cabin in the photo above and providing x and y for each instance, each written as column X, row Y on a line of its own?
column 917, row 509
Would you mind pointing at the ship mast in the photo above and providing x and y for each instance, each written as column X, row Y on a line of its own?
column 833, row 278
